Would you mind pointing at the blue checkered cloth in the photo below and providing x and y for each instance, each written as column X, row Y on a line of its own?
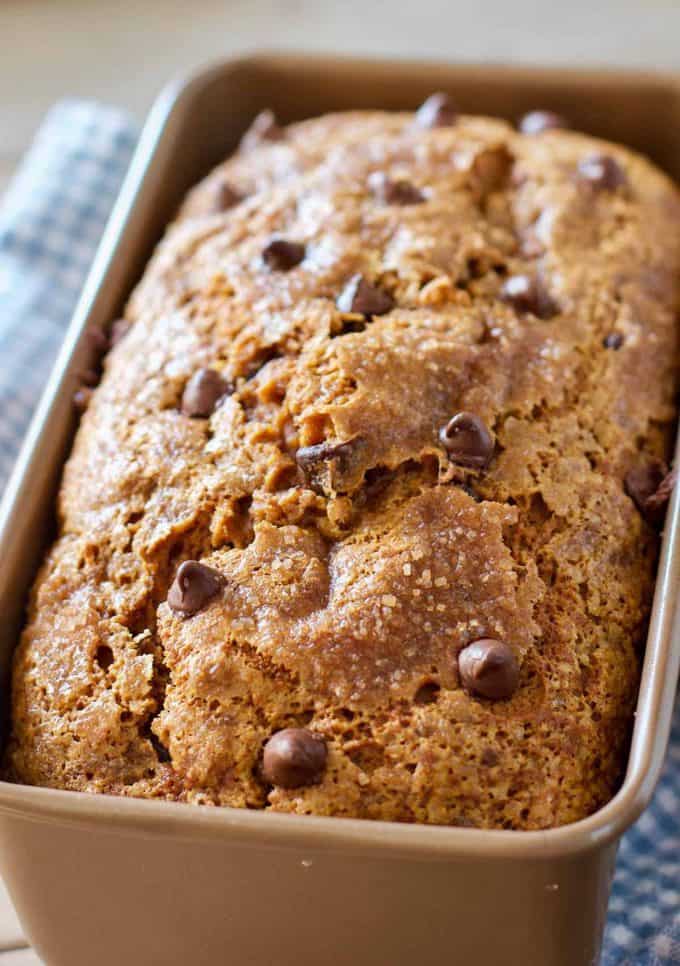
column 50, row 223
column 51, row 220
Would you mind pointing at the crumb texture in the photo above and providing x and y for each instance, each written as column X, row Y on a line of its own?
column 352, row 283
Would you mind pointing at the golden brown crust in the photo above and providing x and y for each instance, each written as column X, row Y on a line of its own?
column 350, row 587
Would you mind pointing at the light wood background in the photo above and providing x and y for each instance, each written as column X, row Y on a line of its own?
column 123, row 51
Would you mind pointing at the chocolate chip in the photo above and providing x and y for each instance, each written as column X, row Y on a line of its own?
column 536, row 122
column 293, row 758
column 202, row 393
column 309, row 456
column 467, row 441
column 194, row 585
column 642, row 481
column 650, row 486
column 324, row 463
column 226, row 197
column 489, row 669
column 394, row 192
column 436, row 111
column 82, row 398
column 655, row 505
column 281, row 255
column 119, row 330
column 490, row 169
column 265, row 127
column 527, row 293
column 363, row 298
column 613, row 341
column 601, row 172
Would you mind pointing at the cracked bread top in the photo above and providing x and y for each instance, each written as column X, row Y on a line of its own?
column 352, row 285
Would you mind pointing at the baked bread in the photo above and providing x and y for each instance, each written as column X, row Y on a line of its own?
column 363, row 517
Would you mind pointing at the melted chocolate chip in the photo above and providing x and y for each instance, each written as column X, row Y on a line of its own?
column 265, row 127
column 281, row 255
column 324, row 462
column 536, row 122
column 363, row 298
column 613, row 341
column 527, row 293
column 293, row 758
column 489, row 669
column 308, row 458
column 467, row 441
column 203, row 392
column 194, row 585
column 437, row 111
column 394, row 192
column 601, row 172
column 226, row 197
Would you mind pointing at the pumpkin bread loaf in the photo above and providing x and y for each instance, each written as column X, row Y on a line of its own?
column 363, row 517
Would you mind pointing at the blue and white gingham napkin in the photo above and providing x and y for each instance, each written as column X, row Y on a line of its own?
column 50, row 223
column 51, row 219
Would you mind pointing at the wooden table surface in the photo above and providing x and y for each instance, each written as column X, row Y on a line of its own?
column 124, row 52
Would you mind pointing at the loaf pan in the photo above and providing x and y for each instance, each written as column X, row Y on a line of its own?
column 104, row 880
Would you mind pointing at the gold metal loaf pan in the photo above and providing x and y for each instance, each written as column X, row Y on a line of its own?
column 104, row 880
